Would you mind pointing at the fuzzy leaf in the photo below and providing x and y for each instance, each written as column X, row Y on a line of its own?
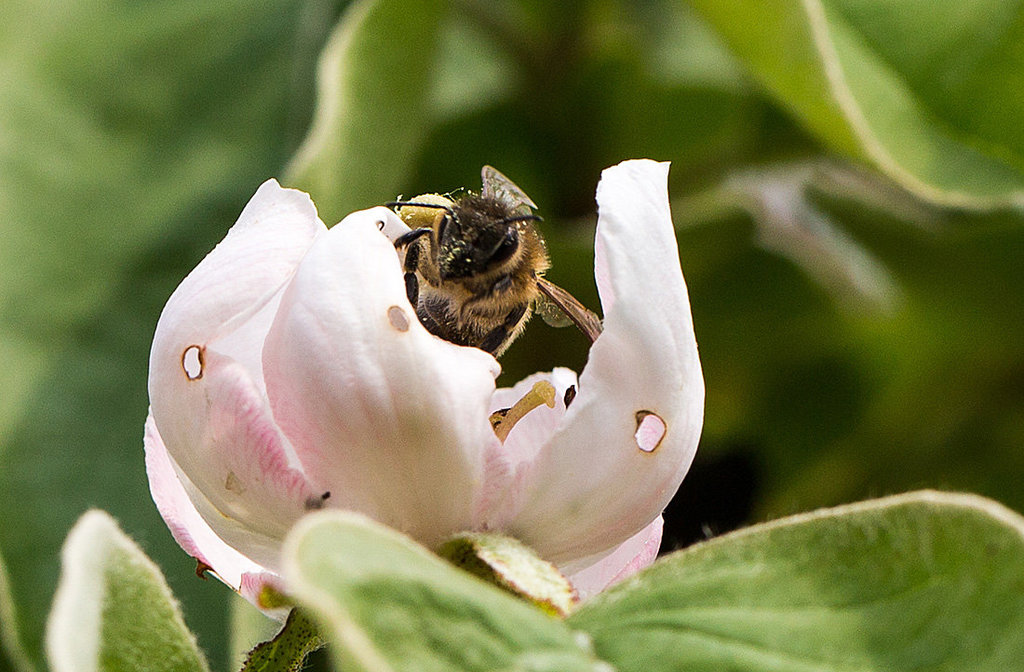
column 924, row 581
column 113, row 610
column 513, row 566
column 287, row 650
column 130, row 137
column 385, row 603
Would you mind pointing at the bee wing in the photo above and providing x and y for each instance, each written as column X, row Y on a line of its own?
column 576, row 312
column 496, row 185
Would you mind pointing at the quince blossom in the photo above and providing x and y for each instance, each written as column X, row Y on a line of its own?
column 289, row 372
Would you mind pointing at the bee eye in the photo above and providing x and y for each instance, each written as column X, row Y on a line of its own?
column 442, row 226
column 507, row 247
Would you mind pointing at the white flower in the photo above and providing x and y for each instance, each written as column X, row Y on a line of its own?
column 289, row 372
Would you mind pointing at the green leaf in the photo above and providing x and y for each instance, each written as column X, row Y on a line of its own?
column 923, row 581
column 374, row 93
column 287, row 650
column 386, row 603
column 113, row 610
column 512, row 565
column 97, row 156
column 248, row 627
column 12, row 656
column 131, row 136
column 927, row 91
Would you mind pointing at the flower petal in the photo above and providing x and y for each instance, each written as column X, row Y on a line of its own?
column 594, row 486
column 389, row 418
column 187, row 527
column 504, row 482
column 254, row 260
column 254, row 587
column 591, row 577
column 241, row 465
column 210, row 407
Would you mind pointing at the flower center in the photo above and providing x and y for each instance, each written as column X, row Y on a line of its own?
column 502, row 421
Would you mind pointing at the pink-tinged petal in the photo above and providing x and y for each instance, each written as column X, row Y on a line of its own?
column 607, row 473
column 206, row 389
column 255, row 588
column 390, row 419
column 187, row 527
column 591, row 577
column 236, row 468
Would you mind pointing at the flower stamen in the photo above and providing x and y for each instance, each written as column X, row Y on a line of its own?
column 502, row 421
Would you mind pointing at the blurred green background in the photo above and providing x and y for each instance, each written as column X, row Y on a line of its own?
column 847, row 180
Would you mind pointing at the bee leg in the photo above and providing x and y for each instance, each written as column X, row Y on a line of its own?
column 497, row 336
column 412, row 289
column 412, row 283
column 412, row 262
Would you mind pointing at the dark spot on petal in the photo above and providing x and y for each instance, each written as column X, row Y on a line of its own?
column 232, row 484
column 315, row 503
column 192, row 361
column 398, row 319
column 202, row 568
column 570, row 394
column 380, row 225
column 650, row 431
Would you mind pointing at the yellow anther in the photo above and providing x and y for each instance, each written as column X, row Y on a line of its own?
column 504, row 420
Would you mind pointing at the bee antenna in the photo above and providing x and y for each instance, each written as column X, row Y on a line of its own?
column 522, row 218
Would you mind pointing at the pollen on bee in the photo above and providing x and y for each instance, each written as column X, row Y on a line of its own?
column 502, row 421
column 192, row 362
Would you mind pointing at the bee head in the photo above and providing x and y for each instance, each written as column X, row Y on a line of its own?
column 479, row 236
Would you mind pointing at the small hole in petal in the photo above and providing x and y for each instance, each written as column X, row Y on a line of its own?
column 650, row 431
column 398, row 319
column 192, row 362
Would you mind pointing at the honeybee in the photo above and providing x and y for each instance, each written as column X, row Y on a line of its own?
column 474, row 267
